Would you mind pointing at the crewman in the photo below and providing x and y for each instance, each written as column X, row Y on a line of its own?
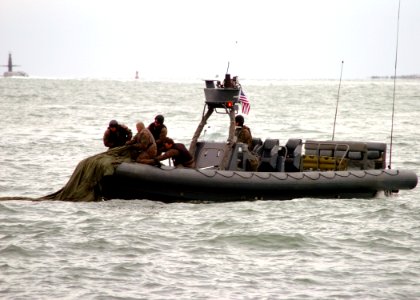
column 243, row 135
column 159, row 131
column 144, row 145
column 179, row 154
column 116, row 135
column 243, row 132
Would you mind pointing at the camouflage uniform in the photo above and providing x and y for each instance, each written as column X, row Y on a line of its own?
column 244, row 136
column 145, row 147
column 118, row 138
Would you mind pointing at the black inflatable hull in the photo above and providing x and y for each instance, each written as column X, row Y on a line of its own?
column 137, row 181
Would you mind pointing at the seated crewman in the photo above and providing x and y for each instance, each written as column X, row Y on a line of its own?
column 243, row 132
column 144, row 145
column 159, row 131
column 243, row 135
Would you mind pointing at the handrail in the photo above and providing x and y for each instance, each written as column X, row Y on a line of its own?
column 334, row 147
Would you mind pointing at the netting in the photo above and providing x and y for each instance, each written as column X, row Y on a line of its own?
column 85, row 183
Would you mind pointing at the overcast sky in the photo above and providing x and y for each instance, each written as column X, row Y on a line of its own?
column 293, row 39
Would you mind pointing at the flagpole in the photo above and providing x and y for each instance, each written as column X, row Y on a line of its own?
column 239, row 96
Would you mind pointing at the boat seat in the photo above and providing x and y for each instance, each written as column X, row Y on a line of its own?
column 340, row 153
column 373, row 154
column 326, row 156
column 355, row 153
column 257, row 144
column 377, row 157
column 311, row 148
column 269, row 145
column 242, row 159
column 357, row 157
column 269, row 156
column 325, row 152
column 376, row 154
column 293, row 155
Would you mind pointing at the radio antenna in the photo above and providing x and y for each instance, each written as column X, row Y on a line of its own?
column 395, row 80
column 338, row 97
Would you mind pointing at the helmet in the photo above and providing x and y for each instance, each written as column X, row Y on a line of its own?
column 160, row 119
column 113, row 123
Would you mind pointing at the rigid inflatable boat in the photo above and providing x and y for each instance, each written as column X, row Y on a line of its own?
column 321, row 169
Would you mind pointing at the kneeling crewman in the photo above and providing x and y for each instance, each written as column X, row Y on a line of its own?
column 180, row 155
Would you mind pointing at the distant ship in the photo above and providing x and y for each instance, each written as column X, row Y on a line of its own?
column 10, row 72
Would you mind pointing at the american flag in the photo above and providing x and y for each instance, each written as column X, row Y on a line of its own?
column 245, row 103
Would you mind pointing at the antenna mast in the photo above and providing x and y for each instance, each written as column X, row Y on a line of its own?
column 338, row 97
column 395, row 80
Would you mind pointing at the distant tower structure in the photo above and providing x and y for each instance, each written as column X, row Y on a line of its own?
column 10, row 64
column 10, row 71
column 137, row 75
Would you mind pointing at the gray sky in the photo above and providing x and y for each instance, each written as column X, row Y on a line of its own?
column 168, row 39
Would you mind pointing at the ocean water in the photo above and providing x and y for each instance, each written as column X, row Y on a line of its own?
column 298, row 249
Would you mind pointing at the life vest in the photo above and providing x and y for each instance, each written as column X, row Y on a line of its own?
column 184, row 155
column 243, row 133
column 155, row 130
column 120, row 136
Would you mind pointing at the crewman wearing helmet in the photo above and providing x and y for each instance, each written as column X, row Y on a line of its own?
column 159, row 132
column 116, row 135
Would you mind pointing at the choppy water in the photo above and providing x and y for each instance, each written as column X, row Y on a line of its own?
column 299, row 249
